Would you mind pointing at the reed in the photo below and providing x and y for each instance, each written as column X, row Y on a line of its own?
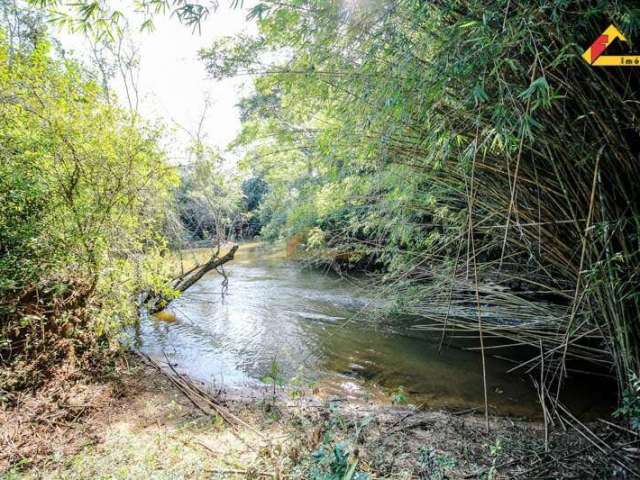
column 551, row 191
column 466, row 149
column 533, row 154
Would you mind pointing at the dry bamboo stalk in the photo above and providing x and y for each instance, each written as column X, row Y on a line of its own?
column 582, row 255
column 475, row 275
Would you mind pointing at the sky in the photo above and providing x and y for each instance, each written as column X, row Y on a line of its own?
column 173, row 84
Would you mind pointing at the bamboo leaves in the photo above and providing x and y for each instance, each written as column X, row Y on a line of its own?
column 424, row 105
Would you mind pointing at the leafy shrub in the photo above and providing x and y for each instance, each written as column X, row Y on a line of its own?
column 630, row 405
column 83, row 188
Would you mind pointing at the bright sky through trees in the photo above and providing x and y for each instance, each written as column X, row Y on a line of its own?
column 173, row 84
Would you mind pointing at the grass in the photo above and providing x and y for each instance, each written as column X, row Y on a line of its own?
column 127, row 454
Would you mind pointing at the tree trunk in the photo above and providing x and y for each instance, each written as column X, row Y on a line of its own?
column 214, row 262
column 155, row 302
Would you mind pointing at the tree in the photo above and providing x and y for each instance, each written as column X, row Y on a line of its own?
column 84, row 190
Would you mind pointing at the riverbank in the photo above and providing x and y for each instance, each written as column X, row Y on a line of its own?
column 134, row 423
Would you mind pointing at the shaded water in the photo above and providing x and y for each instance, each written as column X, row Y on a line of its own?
column 314, row 325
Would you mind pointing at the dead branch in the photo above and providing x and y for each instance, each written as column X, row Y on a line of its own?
column 153, row 302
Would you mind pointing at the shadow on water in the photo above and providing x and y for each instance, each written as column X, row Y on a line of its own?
column 315, row 325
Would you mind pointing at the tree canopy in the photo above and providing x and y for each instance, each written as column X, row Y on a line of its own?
column 463, row 141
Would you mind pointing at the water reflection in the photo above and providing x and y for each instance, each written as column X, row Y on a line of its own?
column 305, row 320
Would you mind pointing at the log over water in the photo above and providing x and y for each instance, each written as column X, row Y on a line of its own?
column 154, row 302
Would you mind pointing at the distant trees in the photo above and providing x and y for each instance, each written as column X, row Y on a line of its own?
column 208, row 200
column 213, row 204
column 254, row 190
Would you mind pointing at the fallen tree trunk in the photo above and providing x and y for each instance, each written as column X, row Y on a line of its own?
column 214, row 262
column 153, row 302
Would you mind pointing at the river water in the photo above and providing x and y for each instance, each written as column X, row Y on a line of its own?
column 320, row 333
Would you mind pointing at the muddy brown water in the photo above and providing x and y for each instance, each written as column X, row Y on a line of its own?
column 319, row 331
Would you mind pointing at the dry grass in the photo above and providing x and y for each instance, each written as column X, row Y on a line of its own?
column 143, row 427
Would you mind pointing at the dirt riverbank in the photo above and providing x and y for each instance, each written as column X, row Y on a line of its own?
column 135, row 423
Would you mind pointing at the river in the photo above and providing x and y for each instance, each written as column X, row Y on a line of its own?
column 319, row 332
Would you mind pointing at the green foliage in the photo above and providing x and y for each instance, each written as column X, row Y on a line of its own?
column 630, row 405
column 254, row 190
column 208, row 200
column 274, row 377
column 100, row 19
column 399, row 396
column 495, row 451
column 333, row 464
column 83, row 188
column 336, row 458
column 433, row 465
column 454, row 137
